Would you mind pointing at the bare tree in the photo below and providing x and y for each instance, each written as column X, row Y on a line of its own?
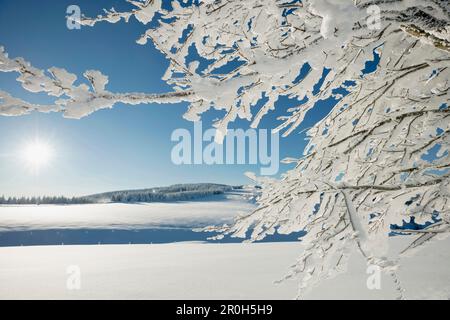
column 380, row 155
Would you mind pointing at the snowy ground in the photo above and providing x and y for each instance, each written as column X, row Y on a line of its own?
column 214, row 210
column 202, row 271
column 115, row 223
column 180, row 270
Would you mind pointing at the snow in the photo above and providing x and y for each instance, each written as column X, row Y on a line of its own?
column 375, row 134
column 425, row 275
column 175, row 271
column 203, row 271
column 214, row 210
column 191, row 270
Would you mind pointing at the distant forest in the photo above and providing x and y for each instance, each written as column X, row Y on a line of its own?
column 179, row 192
column 43, row 200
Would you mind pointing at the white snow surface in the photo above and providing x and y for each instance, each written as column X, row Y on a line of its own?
column 189, row 270
column 213, row 210
column 204, row 271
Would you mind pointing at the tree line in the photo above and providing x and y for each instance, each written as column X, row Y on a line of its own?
column 162, row 197
column 179, row 192
column 43, row 200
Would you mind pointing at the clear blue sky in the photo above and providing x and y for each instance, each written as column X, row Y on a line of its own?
column 126, row 147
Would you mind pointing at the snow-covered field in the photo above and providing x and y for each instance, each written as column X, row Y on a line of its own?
column 202, row 271
column 214, row 210
column 186, row 270
column 116, row 223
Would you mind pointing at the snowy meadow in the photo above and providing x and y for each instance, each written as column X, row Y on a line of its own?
column 151, row 251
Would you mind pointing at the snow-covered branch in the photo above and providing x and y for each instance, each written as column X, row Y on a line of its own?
column 75, row 101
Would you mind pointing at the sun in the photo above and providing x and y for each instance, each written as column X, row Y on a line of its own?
column 37, row 154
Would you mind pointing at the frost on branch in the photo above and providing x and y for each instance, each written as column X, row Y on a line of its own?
column 75, row 101
column 379, row 156
column 11, row 106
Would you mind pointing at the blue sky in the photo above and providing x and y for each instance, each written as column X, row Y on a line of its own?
column 126, row 147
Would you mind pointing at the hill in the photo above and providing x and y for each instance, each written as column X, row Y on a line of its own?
column 177, row 192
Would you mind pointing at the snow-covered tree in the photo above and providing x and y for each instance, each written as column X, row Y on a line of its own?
column 379, row 156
